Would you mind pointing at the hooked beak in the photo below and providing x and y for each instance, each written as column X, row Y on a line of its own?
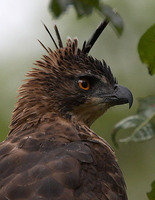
column 122, row 95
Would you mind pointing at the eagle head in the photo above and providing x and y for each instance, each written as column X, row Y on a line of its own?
column 71, row 83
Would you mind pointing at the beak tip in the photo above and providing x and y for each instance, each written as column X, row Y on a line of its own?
column 130, row 99
column 130, row 105
column 124, row 93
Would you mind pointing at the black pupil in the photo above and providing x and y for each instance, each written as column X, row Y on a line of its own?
column 84, row 84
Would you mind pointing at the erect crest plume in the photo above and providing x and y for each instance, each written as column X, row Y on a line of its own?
column 86, row 45
column 89, row 44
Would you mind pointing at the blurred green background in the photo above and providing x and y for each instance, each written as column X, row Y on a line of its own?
column 20, row 27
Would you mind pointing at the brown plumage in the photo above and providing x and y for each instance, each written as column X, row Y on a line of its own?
column 51, row 153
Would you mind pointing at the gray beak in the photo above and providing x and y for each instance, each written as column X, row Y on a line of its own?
column 122, row 95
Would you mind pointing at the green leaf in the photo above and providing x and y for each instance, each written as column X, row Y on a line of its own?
column 146, row 49
column 145, row 131
column 57, row 7
column 151, row 195
column 129, row 122
column 143, row 122
column 113, row 17
column 86, row 7
column 147, row 105
column 83, row 8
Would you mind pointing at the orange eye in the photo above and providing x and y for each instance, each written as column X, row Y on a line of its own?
column 84, row 84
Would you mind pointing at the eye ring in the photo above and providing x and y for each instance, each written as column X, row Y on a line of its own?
column 84, row 84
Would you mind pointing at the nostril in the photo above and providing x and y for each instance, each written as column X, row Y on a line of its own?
column 115, row 87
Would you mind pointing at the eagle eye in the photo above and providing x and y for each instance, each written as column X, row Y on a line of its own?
column 84, row 84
